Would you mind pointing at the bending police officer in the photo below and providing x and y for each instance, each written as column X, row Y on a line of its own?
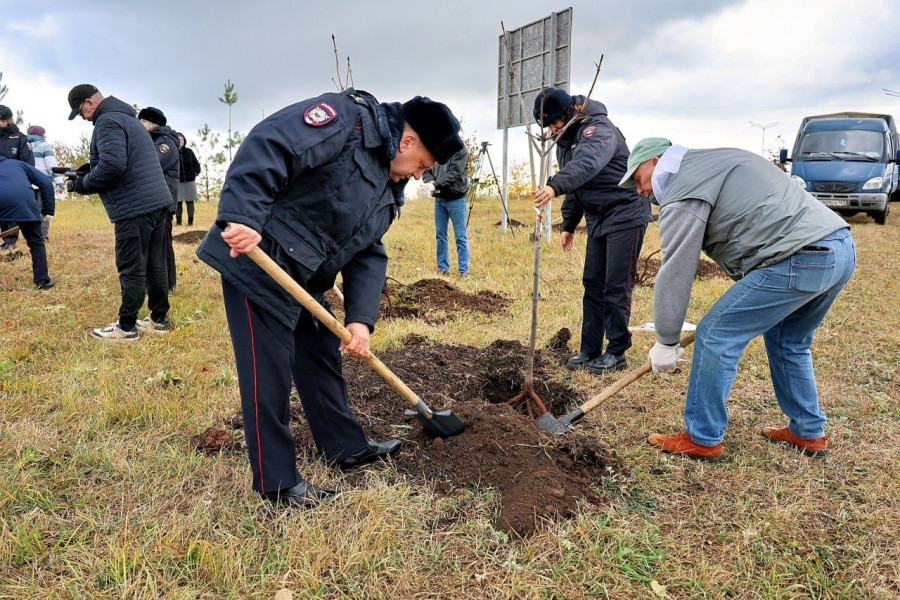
column 315, row 186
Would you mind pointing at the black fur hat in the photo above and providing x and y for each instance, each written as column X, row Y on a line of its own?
column 436, row 126
column 154, row 115
column 556, row 103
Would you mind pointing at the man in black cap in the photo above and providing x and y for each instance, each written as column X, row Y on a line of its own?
column 166, row 142
column 592, row 156
column 125, row 172
column 13, row 144
column 316, row 185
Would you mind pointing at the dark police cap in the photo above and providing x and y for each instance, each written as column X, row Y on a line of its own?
column 5, row 113
column 556, row 102
column 77, row 96
column 154, row 115
column 437, row 127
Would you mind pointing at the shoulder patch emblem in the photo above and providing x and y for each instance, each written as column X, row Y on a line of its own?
column 589, row 131
column 164, row 148
column 318, row 115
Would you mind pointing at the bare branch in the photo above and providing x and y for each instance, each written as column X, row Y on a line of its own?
column 350, row 73
column 337, row 65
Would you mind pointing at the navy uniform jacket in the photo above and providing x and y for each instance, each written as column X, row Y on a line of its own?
column 14, row 144
column 166, row 141
column 313, row 180
column 17, row 203
column 592, row 157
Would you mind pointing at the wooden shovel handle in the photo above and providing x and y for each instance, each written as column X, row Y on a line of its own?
column 610, row 391
column 309, row 303
column 11, row 231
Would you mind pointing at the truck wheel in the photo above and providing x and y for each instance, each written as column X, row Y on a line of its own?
column 881, row 217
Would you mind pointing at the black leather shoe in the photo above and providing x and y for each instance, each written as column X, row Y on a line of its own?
column 46, row 285
column 304, row 495
column 374, row 451
column 606, row 363
column 579, row 361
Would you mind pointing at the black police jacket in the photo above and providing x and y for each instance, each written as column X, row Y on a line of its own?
column 592, row 157
column 166, row 141
column 124, row 168
column 14, row 144
column 313, row 180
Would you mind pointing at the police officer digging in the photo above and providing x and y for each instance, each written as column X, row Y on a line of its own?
column 315, row 186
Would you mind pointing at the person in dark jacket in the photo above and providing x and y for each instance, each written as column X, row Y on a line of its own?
column 17, row 206
column 315, row 186
column 450, row 188
column 166, row 142
column 125, row 172
column 187, row 181
column 13, row 144
column 592, row 157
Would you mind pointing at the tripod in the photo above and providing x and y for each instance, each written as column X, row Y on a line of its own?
column 476, row 179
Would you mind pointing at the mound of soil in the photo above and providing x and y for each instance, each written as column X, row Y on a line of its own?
column 511, row 223
column 537, row 476
column 432, row 300
column 190, row 237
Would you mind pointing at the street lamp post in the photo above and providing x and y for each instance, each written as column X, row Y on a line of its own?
column 763, row 127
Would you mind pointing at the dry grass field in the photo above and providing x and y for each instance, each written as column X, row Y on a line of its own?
column 102, row 495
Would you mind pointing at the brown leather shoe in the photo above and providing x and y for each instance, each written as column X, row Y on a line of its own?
column 681, row 443
column 816, row 448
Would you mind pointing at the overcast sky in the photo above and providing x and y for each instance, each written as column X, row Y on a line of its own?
column 695, row 71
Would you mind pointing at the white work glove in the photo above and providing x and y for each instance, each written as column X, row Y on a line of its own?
column 664, row 359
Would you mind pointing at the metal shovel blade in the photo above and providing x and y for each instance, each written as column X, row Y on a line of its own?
column 559, row 426
column 442, row 424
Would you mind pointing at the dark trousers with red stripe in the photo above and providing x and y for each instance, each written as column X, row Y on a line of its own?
column 268, row 354
column 610, row 264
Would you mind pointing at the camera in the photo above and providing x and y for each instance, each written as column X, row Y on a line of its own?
column 72, row 175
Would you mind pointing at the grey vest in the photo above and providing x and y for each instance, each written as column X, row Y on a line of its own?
column 758, row 215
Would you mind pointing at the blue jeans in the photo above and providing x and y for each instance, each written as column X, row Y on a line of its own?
column 455, row 211
column 784, row 303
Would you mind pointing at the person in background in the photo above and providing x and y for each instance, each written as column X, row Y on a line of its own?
column 17, row 206
column 187, row 184
column 790, row 257
column 450, row 188
column 166, row 142
column 44, row 161
column 125, row 172
column 14, row 145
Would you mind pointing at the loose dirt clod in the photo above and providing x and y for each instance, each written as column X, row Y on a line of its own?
column 213, row 441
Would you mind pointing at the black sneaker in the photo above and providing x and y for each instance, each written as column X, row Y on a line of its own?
column 148, row 325
column 115, row 333
column 606, row 363
column 46, row 285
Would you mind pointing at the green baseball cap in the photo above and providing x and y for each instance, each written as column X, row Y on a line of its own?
column 643, row 151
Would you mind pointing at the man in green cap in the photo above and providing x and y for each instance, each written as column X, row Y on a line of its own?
column 789, row 255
